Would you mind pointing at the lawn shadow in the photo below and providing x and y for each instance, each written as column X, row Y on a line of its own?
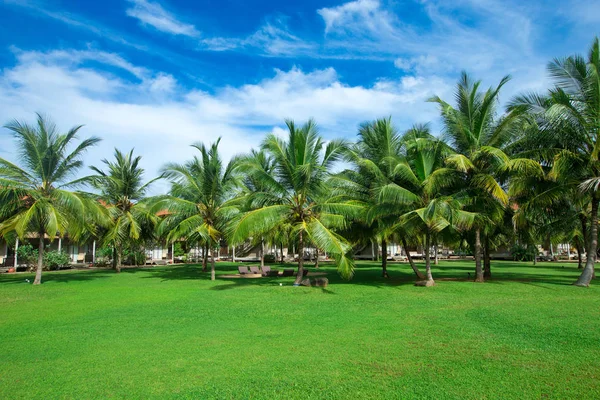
column 64, row 276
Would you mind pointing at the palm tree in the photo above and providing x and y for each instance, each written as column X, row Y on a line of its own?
column 121, row 192
column 376, row 155
column 296, row 193
column 478, row 138
column 423, row 174
column 199, row 205
column 36, row 198
column 569, row 134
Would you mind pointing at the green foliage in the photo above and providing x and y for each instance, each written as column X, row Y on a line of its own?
column 270, row 258
column 27, row 255
column 524, row 253
column 178, row 250
column 36, row 197
column 55, row 259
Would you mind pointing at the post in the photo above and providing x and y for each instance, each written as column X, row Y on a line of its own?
column 94, row 253
column 569, row 251
column 16, row 254
column 59, row 244
column 233, row 253
column 173, row 253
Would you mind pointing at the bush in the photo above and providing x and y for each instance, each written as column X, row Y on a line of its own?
column 522, row 253
column 27, row 255
column 270, row 258
column 55, row 259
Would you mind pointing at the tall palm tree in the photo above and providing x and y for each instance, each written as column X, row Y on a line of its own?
column 121, row 191
column 478, row 137
column 376, row 155
column 36, row 198
column 199, row 204
column 297, row 193
column 569, row 134
column 423, row 174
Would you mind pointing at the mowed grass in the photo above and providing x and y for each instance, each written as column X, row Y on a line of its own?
column 169, row 332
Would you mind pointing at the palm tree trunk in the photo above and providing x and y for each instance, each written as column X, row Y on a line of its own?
column 487, row 264
column 430, row 281
column 579, row 255
column 588, row 272
column 262, row 253
column 584, row 232
column 212, row 263
column 373, row 254
column 478, row 269
column 300, row 273
column 40, row 264
column 119, row 252
column 411, row 261
column 384, row 272
column 204, row 257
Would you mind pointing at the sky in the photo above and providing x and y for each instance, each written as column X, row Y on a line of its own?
column 159, row 75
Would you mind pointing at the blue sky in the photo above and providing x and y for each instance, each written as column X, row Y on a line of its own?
column 159, row 75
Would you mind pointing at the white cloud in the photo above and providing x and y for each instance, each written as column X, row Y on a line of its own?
column 157, row 116
column 273, row 38
column 153, row 14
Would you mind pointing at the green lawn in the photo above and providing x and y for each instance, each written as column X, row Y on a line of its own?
column 169, row 332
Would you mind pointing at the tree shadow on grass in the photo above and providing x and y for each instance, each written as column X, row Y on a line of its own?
column 64, row 276
column 369, row 274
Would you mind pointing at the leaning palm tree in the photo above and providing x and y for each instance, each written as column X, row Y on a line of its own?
column 569, row 134
column 198, row 207
column 478, row 138
column 36, row 198
column 297, row 193
column 121, row 192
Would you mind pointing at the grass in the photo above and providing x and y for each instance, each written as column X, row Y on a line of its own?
column 169, row 332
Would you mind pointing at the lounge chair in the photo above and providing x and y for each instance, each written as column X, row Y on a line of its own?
column 255, row 270
column 288, row 272
column 243, row 270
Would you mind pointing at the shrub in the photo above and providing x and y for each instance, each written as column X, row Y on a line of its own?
column 55, row 259
column 269, row 258
column 524, row 253
column 27, row 255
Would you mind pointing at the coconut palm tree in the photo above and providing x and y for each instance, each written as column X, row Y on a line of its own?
column 478, row 138
column 569, row 134
column 121, row 192
column 199, row 205
column 36, row 197
column 296, row 193
column 423, row 174
column 377, row 153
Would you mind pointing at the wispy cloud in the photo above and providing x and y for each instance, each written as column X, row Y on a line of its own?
column 154, row 15
column 273, row 38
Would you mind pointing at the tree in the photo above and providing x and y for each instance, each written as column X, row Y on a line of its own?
column 37, row 198
column 569, row 134
column 423, row 179
column 121, row 192
column 478, row 137
column 199, row 205
column 376, row 155
column 296, row 192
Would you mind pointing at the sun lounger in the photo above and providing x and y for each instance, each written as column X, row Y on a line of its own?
column 243, row 270
column 255, row 270
column 288, row 272
column 267, row 271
